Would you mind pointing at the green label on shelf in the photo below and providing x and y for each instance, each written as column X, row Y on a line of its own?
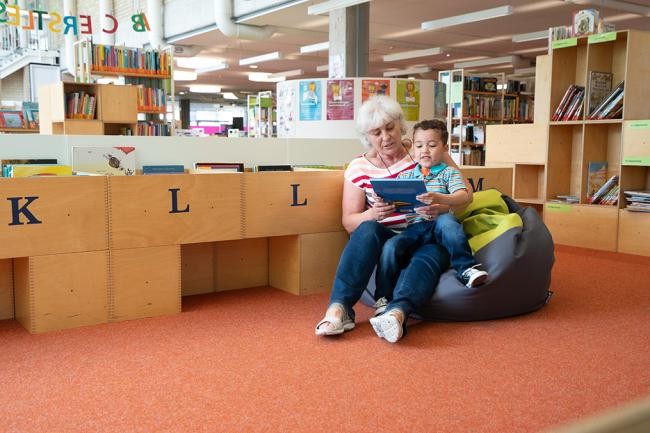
column 639, row 124
column 564, row 43
column 558, row 207
column 636, row 160
column 601, row 37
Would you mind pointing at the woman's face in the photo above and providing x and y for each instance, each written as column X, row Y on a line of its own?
column 387, row 138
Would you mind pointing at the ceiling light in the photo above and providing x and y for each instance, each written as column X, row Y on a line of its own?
column 532, row 36
column 263, row 77
column 328, row 6
column 184, row 75
column 266, row 10
column 399, row 72
column 413, row 54
column 486, row 62
column 196, row 62
column 322, row 68
column 216, row 67
column 259, row 59
column 315, row 47
column 615, row 4
column 285, row 74
column 205, row 88
column 229, row 95
column 471, row 17
column 253, row 66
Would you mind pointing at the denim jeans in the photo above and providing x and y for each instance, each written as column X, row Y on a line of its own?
column 449, row 233
column 410, row 266
column 358, row 260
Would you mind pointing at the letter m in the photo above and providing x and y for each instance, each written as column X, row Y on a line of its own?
column 478, row 186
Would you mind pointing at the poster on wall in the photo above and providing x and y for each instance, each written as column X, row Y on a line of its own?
column 286, row 111
column 340, row 99
column 310, row 100
column 408, row 96
column 371, row 88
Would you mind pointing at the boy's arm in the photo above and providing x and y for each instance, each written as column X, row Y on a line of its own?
column 457, row 200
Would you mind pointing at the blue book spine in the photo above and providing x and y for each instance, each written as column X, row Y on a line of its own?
column 164, row 169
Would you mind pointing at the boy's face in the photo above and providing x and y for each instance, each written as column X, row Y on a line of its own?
column 428, row 147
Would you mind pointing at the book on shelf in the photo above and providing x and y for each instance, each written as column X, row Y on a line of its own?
column 275, row 167
column 4, row 163
column 80, row 105
column 12, row 119
column 637, row 200
column 400, row 192
column 30, row 114
column 113, row 161
column 217, row 167
column 571, row 199
column 599, row 86
column 611, row 105
column 38, row 170
column 570, row 107
column 488, row 84
column 163, row 169
column 316, row 167
column 596, row 176
column 585, row 22
column 598, row 196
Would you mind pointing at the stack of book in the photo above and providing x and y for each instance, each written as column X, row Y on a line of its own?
column 606, row 194
column 571, row 199
column 570, row 107
column 612, row 106
column 638, row 201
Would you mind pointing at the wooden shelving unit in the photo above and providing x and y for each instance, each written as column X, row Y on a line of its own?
column 19, row 130
column 622, row 143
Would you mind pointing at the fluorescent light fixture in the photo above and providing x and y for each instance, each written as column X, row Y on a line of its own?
column 216, row 67
column 266, row 11
column 413, row 54
column 292, row 73
column 275, row 55
column 196, row 62
column 184, row 75
column 229, row 95
column 331, row 5
column 617, row 5
column 315, row 47
column 263, row 77
column 205, row 88
column 411, row 71
column 532, row 36
column 471, row 17
column 322, row 68
column 487, row 62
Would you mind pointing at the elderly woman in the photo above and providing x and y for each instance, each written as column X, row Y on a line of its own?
column 371, row 222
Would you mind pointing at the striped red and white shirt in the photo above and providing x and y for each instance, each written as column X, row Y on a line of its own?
column 360, row 170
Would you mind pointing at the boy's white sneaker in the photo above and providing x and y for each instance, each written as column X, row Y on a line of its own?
column 473, row 277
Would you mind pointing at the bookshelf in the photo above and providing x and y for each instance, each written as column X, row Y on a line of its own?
column 620, row 142
column 261, row 115
column 478, row 100
column 149, row 70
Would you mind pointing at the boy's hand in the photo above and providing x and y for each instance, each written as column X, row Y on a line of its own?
column 430, row 198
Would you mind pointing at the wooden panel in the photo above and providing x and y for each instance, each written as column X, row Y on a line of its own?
column 482, row 178
column 588, row 226
column 145, row 282
column 174, row 209
column 240, row 264
column 118, row 103
column 305, row 264
column 542, row 90
column 197, row 268
column 636, row 104
column 524, row 143
column 6, row 289
column 634, row 233
column 283, row 203
column 68, row 214
column 529, row 182
column 636, row 141
column 62, row 290
column 83, row 127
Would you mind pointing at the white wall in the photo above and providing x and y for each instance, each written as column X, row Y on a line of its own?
column 345, row 128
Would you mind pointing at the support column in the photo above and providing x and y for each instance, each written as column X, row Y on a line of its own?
column 185, row 113
column 348, row 37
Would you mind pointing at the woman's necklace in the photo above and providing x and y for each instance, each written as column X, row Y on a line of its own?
column 384, row 162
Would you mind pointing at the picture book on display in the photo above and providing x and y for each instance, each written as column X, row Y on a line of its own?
column 596, row 176
column 600, row 85
column 5, row 163
column 400, row 192
column 281, row 167
column 113, row 161
column 218, row 167
column 163, row 169
column 38, row 170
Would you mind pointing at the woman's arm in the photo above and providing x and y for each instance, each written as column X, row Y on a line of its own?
column 354, row 207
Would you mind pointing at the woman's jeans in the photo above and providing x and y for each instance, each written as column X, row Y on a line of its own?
column 415, row 284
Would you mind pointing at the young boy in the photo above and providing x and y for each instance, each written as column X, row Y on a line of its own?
column 444, row 186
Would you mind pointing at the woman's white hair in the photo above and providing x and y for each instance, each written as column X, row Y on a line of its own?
column 377, row 111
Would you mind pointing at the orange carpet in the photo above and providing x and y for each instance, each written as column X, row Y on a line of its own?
column 247, row 361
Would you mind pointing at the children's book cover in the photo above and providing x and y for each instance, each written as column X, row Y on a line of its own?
column 596, row 176
column 37, row 170
column 400, row 192
column 113, row 161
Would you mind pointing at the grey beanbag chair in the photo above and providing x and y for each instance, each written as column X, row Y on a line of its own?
column 519, row 263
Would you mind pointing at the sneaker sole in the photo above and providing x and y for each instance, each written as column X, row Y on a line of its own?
column 477, row 281
column 387, row 327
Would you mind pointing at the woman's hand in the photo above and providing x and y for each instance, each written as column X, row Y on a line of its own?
column 380, row 209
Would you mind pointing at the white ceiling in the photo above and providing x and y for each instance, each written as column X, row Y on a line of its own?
column 395, row 26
